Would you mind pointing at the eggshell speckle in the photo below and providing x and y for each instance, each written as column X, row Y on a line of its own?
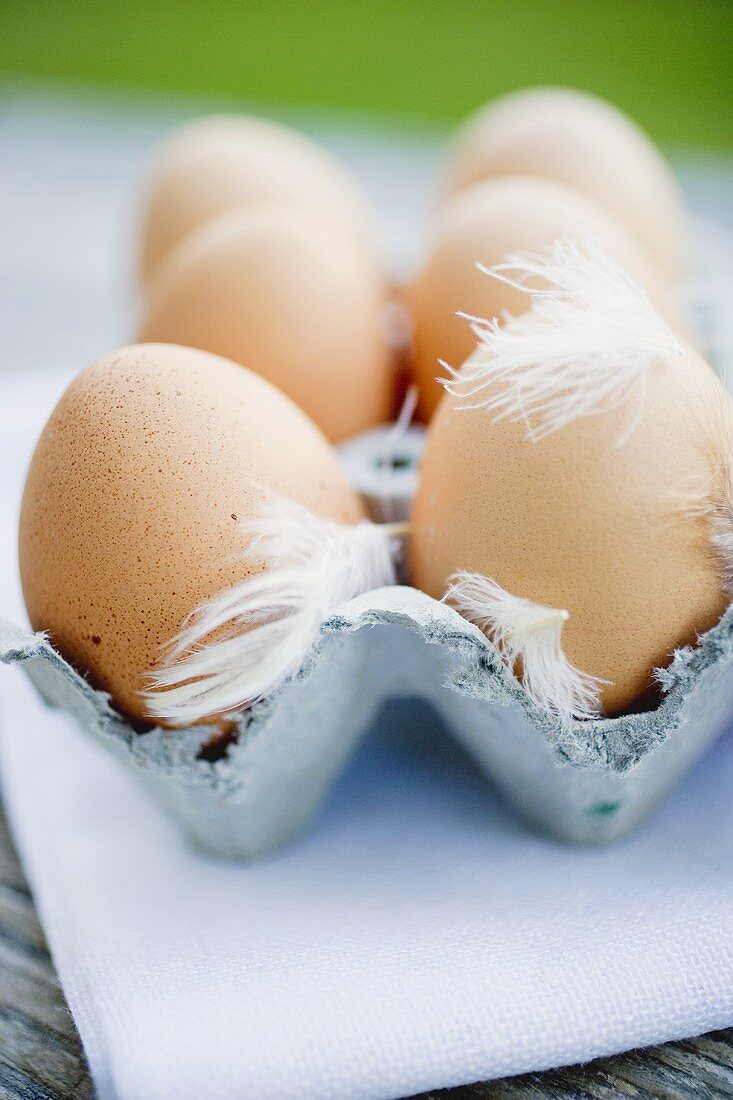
column 482, row 225
column 576, row 522
column 226, row 161
column 585, row 143
column 291, row 296
column 135, row 495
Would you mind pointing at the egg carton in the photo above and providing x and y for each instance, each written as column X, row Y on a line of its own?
column 590, row 782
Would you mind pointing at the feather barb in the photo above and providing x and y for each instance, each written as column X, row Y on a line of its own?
column 529, row 634
column 587, row 341
column 268, row 622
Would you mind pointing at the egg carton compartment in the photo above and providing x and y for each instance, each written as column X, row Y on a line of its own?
column 591, row 782
column 383, row 466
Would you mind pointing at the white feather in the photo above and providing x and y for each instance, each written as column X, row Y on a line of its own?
column 713, row 502
column 587, row 341
column 721, row 522
column 390, row 449
column 530, row 633
column 270, row 619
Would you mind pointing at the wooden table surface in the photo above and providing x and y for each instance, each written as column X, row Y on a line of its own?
column 41, row 1057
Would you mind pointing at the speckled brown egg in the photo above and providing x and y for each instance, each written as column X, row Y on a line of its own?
column 135, row 495
column 291, row 296
column 578, row 522
column 586, row 143
column 482, row 225
column 226, row 161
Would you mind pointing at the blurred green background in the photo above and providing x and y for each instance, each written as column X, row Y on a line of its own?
column 669, row 63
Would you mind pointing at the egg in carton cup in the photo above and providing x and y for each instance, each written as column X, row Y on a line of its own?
column 203, row 562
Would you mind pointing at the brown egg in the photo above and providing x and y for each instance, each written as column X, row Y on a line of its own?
column 292, row 297
column 585, row 143
column 135, row 495
column 482, row 225
column 228, row 161
column 578, row 522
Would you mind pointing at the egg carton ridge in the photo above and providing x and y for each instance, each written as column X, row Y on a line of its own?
column 590, row 782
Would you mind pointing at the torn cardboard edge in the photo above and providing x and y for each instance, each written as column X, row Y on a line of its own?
column 588, row 782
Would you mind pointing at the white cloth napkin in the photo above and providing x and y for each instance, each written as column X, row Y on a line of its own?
column 419, row 936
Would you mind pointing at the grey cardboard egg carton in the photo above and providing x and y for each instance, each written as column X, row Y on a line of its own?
column 590, row 783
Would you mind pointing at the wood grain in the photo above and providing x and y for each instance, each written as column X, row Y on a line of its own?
column 40, row 1053
column 41, row 1056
